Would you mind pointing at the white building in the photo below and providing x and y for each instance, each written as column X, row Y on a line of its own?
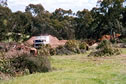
column 36, row 41
column 39, row 40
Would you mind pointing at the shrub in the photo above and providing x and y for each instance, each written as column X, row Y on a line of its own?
column 61, row 50
column 32, row 63
column 52, row 51
column 72, row 45
column 104, row 44
column 45, row 50
column 5, row 64
column 83, row 45
column 24, row 64
column 105, row 48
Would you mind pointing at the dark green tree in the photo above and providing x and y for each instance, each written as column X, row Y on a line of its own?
column 111, row 12
column 84, row 21
column 5, row 17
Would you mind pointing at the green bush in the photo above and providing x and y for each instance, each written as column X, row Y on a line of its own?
column 105, row 48
column 45, row 50
column 104, row 44
column 5, row 66
column 83, row 45
column 32, row 63
column 24, row 64
column 72, row 45
column 63, row 51
column 52, row 51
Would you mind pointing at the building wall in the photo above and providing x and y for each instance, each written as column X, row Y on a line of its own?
column 46, row 38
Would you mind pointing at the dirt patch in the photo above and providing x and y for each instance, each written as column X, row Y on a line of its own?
column 55, row 42
column 15, row 49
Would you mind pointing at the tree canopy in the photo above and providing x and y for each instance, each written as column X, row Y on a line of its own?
column 107, row 17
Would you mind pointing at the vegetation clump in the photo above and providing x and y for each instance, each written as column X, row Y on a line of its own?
column 105, row 48
column 47, row 50
column 62, row 50
column 24, row 64
column 72, row 47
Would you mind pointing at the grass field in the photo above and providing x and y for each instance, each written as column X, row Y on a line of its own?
column 79, row 69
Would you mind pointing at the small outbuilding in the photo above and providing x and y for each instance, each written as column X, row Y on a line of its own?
column 45, row 39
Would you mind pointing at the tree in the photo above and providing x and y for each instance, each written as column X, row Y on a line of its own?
column 84, row 20
column 5, row 17
column 3, row 3
column 20, row 26
column 107, row 17
column 123, row 20
column 61, row 13
column 63, row 23
column 35, row 9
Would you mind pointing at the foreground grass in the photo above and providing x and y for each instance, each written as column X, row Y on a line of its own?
column 123, row 50
column 79, row 69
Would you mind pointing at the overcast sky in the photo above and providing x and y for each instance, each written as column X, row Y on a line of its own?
column 51, row 5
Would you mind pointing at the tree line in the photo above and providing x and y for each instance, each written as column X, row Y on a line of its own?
column 107, row 17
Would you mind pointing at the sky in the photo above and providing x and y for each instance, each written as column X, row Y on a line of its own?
column 51, row 5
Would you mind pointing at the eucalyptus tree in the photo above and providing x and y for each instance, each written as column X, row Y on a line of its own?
column 5, row 17
column 112, row 14
column 84, row 20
